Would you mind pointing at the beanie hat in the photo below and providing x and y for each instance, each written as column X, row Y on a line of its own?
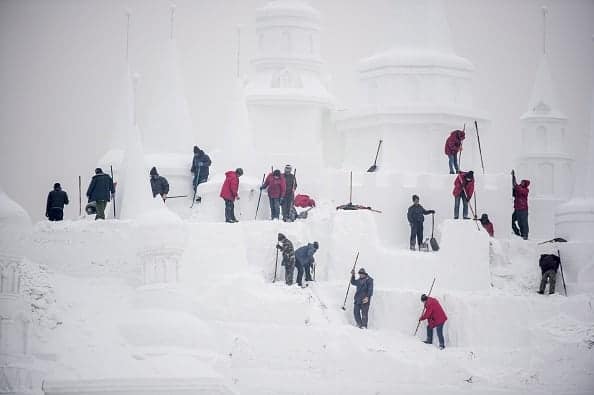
column 288, row 169
column 415, row 197
column 469, row 175
column 276, row 173
column 98, row 170
column 423, row 298
column 362, row 271
column 316, row 245
column 154, row 171
column 196, row 149
column 484, row 217
column 57, row 186
column 239, row 171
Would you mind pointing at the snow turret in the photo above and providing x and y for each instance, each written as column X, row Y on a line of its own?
column 574, row 220
column 415, row 94
column 287, row 100
column 544, row 158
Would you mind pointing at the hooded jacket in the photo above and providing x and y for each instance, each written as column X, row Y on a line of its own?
column 364, row 288
column 305, row 255
column 230, row 187
column 521, row 191
column 159, row 185
column 201, row 162
column 454, row 142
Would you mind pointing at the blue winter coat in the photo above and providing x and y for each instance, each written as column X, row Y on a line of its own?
column 100, row 188
column 305, row 255
column 364, row 288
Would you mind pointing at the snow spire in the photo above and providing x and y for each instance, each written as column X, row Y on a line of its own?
column 545, row 12
column 172, row 21
column 135, row 80
column 238, row 47
column 128, row 14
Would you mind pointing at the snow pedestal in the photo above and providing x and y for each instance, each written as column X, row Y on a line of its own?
column 574, row 222
column 17, row 375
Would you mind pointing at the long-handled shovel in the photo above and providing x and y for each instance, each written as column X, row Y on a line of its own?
column 374, row 166
column 275, row 266
column 349, row 286
column 428, row 294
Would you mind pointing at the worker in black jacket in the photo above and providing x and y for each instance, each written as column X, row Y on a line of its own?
column 549, row 264
column 416, row 216
column 56, row 199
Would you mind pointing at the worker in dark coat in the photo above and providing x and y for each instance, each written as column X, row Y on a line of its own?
column 304, row 260
column 159, row 184
column 416, row 217
column 56, row 199
column 363, row 295
column 288, row 200
column 100, row 190
column 200, row 167
column 549, row 264
column 285, row 246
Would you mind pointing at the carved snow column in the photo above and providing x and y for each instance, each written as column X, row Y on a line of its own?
column 544, row 159
column 160, row 265
column 16, row 373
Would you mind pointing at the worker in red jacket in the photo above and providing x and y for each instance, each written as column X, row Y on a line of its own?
column 276, row 191
column 229, row 192
column 487, row 224
column 435, row 317
column 453, row 145
column 520, row 216
column 463, row 190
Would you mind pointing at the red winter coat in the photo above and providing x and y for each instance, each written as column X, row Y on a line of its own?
column 434, row 313
column 304, row 201
column 454, row 142
column 489, row 228
column 521, row 195
column 461, row 183
column 230, row 186
column 276, row 186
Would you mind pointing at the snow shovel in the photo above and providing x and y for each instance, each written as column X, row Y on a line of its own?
column 428, row 294
column 432, row 240
column 374, row 166
column 349, row 286
column 555, row 240
column 303, row 214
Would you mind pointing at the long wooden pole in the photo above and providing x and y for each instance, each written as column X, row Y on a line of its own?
column 422, row 311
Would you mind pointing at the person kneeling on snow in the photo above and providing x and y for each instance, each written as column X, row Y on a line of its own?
column 435, row 317
column 304, row 259
column 286, row 247
column 159, row 184
column 549, row 264
column 276, row 190
column 363, row 295
column 487, row 224
column 463, row 189
column 416, row 216
column 229, row 193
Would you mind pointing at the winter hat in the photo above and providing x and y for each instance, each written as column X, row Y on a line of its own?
column 484, row 218
column 469, row 175
column 362, row 271
column 415, row 197
column 154, row 171
column 196, row 149
column 276, row 173
column 288, row 169
column 57, row 186
column 98, row 170
column 316, row 245
column 239, row 171
column 423, row 298
column 525, row 183
column 281, row 237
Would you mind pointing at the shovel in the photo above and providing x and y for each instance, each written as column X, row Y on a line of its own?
column 374, row 166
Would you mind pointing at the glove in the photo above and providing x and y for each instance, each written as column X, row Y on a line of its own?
column 278, row 247
column 262, row 187
column 431, row 211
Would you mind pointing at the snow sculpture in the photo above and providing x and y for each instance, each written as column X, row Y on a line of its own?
column 416, row 93
column 574, row 221
column 15, row 225
column 16, row 371
column 287, row 101
column 544, row 158
column 161, row 266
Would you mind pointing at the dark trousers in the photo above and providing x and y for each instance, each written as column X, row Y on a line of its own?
column 101, row 204
column 551, row 276
column 457, row 206
column 303, row 268
column 439, row 335
column 274, row 207
column 288, row 206
column 229, row 211
column 361, row 312
column 289, row 269
column 520, row 218
column 416, row 232
column 453, row 163
column 55, row 214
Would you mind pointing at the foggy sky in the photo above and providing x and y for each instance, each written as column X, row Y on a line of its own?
column 59, row 61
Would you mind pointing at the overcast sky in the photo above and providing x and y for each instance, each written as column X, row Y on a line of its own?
column 59, row 61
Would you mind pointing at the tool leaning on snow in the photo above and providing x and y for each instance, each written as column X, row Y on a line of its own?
column 351, row 206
